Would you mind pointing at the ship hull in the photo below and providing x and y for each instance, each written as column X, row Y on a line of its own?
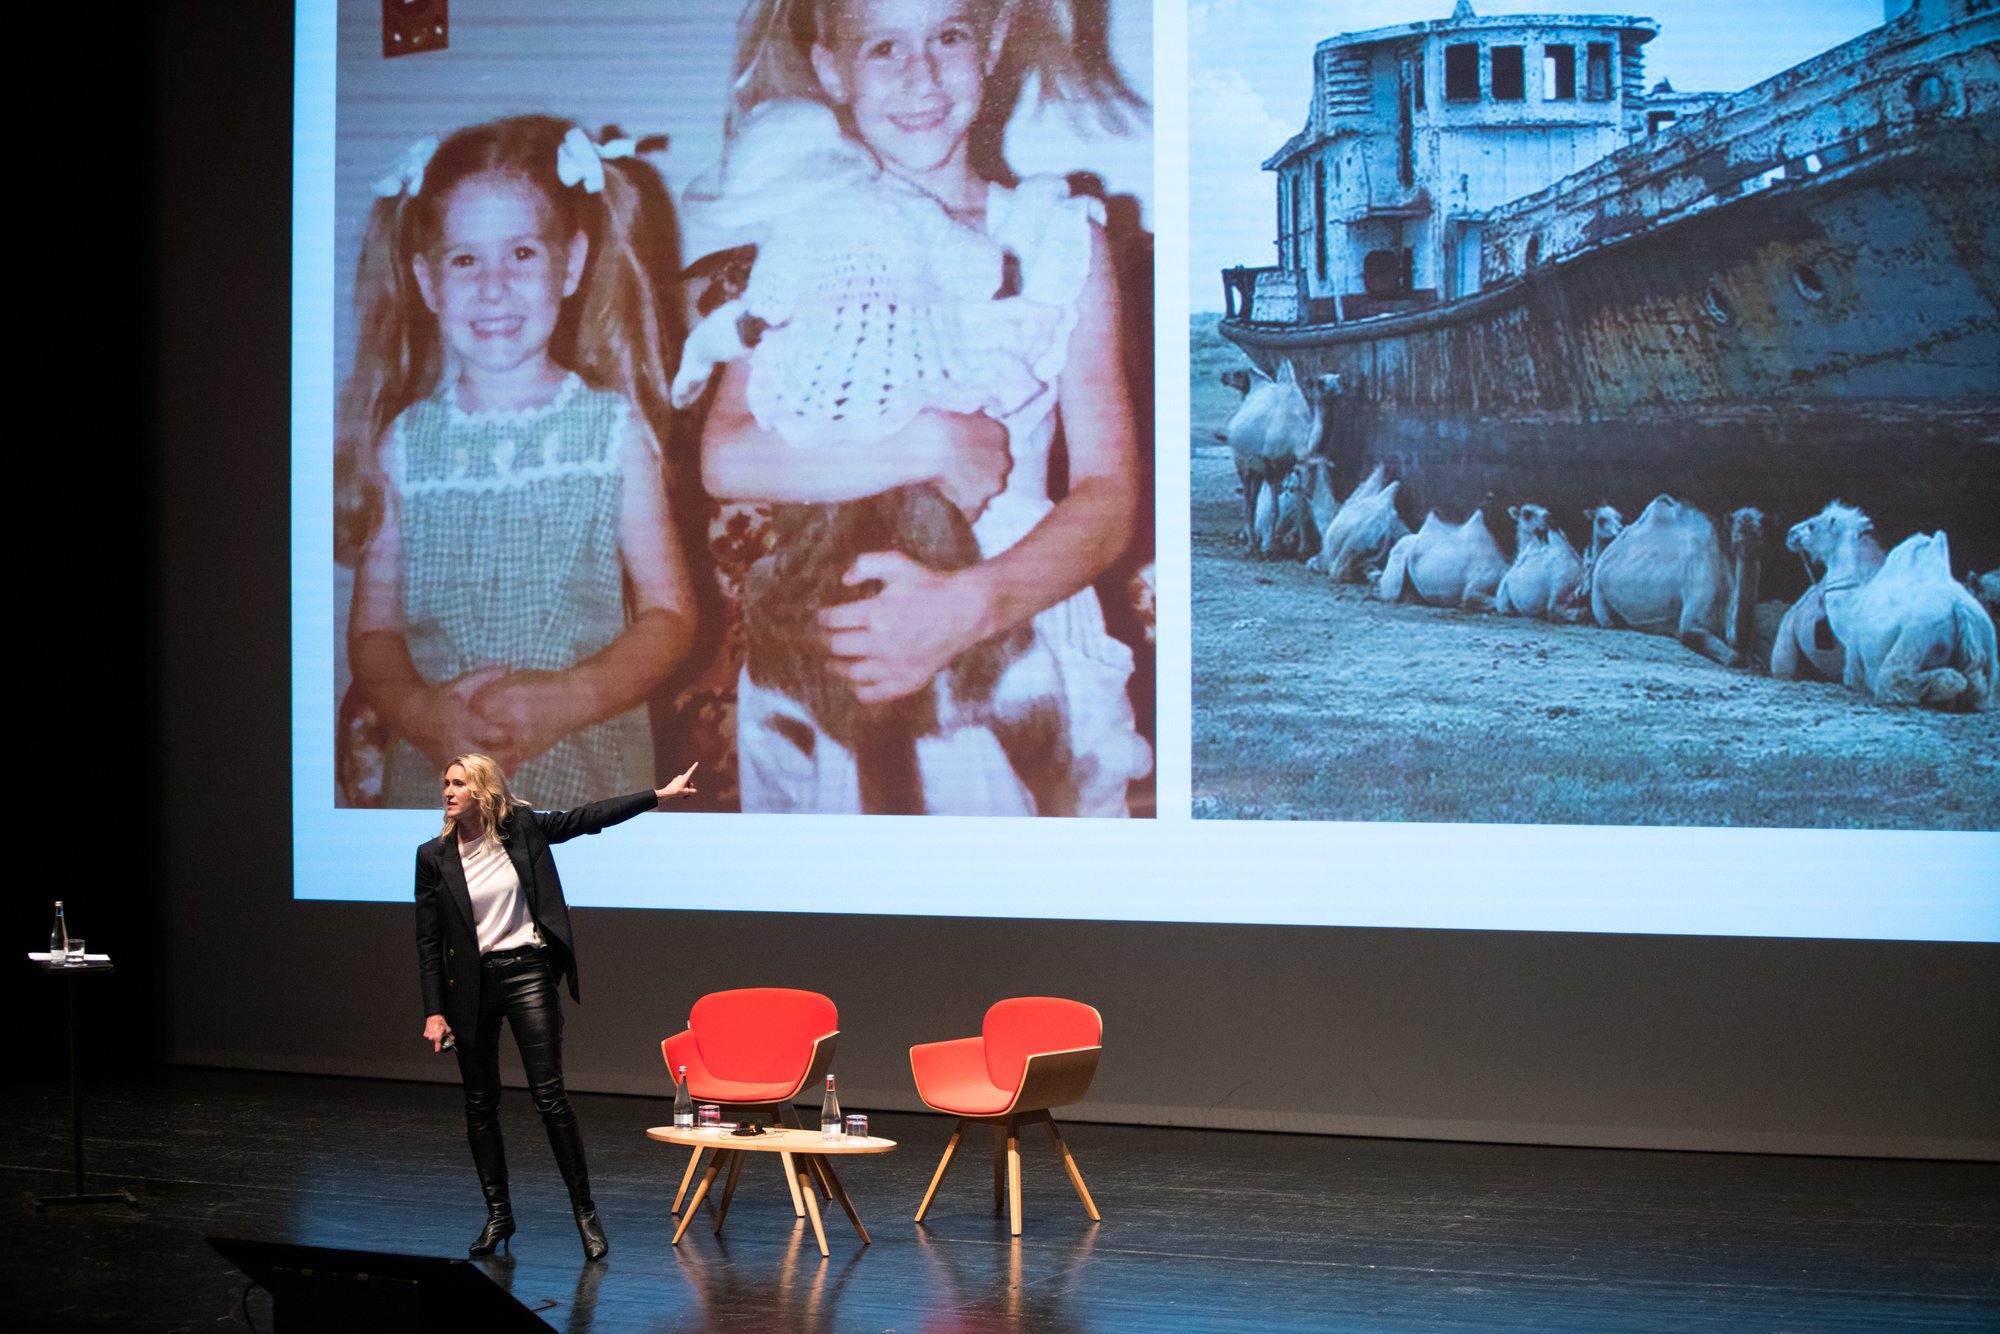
column 1836, row 338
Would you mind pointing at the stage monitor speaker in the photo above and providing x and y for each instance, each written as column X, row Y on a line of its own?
column 325, row 1290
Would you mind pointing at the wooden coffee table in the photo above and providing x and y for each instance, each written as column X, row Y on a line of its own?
column 808, row 1154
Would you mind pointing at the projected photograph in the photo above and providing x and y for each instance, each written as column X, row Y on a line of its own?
column 1594, row 417
column 766, row 383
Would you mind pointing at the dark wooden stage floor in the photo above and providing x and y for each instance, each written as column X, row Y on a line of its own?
column 1202, row 1230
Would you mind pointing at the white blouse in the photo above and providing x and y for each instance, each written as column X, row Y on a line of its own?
column 499, row 908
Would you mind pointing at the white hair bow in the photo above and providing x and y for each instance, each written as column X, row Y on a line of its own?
column 407, row 176
column 580, row 161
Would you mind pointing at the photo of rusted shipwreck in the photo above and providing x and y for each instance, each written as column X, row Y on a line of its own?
column 1538, row 281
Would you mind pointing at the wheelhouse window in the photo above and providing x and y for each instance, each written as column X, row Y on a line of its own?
column 1461, row 71
column 1510, row 76
column 1559, row 72
column 1319, row 218
column 1597, row 72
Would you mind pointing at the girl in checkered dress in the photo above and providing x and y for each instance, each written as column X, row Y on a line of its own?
column 518, row 587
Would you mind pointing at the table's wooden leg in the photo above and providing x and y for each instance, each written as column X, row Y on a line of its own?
column 1075, row 1177
column 812, row 1211
column 701, row 1191
column 798, row 1209
column 728, row 1192
column 1014, row 1177
column 791, row 1166
column 944, row 1162
column 839, row 1193
column 687, row 1179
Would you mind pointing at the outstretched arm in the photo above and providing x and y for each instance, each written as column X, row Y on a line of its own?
column 966, row 455
column 894, row 643
column 680, row 785
column 526, row 712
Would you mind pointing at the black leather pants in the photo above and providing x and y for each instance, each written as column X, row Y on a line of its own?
column 519, row 990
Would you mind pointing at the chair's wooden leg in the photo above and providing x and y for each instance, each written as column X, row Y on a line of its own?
column 792, row 1179
column 1075, row 1177
column 938, row 1175
column 999, row 1168
column 728, row 1192
column 701, row 1192
column 687, row 1179
column 1014, row 1177
column 839, row 1192
column 811, row 1197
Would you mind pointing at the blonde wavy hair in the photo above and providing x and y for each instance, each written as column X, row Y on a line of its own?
column 621, row 330
column 488, row 782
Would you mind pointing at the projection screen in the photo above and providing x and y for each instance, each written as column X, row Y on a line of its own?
column 1230, row 735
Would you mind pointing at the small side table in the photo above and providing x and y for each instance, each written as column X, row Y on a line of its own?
column 811, row 1154
column 91, row 966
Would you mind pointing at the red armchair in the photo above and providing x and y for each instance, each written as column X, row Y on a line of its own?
column 1033, row 1053
column 754, row 1050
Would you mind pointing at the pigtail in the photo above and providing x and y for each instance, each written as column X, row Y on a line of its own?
column 774, row 41
column 396, row 362
column 628, row 321
column 1066, row 46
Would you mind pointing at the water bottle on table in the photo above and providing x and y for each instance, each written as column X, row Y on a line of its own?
column 829, row 1113
column 683, row 1101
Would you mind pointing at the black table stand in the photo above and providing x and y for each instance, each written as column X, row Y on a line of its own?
column 70, row 972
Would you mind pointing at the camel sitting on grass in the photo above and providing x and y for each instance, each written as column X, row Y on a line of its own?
column 1546, row 571
column 1666, row 574
column 1361, row 532
column 1295, row 535
column 1445, row 565
column 1605, row 524
column 1321, row 503
column 1806, row 647
column 1911, row 632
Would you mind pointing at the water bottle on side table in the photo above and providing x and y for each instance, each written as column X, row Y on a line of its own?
column 829, row 1113
column 683, row 1101
column 59, row 938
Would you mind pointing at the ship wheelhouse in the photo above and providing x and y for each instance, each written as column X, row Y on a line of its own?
column 1415, row 133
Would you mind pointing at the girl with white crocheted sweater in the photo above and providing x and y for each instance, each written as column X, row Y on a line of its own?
column 909, row 80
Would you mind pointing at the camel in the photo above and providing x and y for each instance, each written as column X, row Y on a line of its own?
column 1361, row 532
column 1275, row 427
column 1666, row 574
column 1264, row 523
column 1445, row 565
column 1986, row 587
column 1806, row 647
column 1911, row 632
column 1321, row 503
column 1546, row 571
column 1295, row 535
column 1605, row 524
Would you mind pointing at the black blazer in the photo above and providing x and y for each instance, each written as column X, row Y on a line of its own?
column 448, row 943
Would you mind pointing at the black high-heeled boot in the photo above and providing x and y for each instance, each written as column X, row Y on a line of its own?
column 489, row 1159
column 567, row 1142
